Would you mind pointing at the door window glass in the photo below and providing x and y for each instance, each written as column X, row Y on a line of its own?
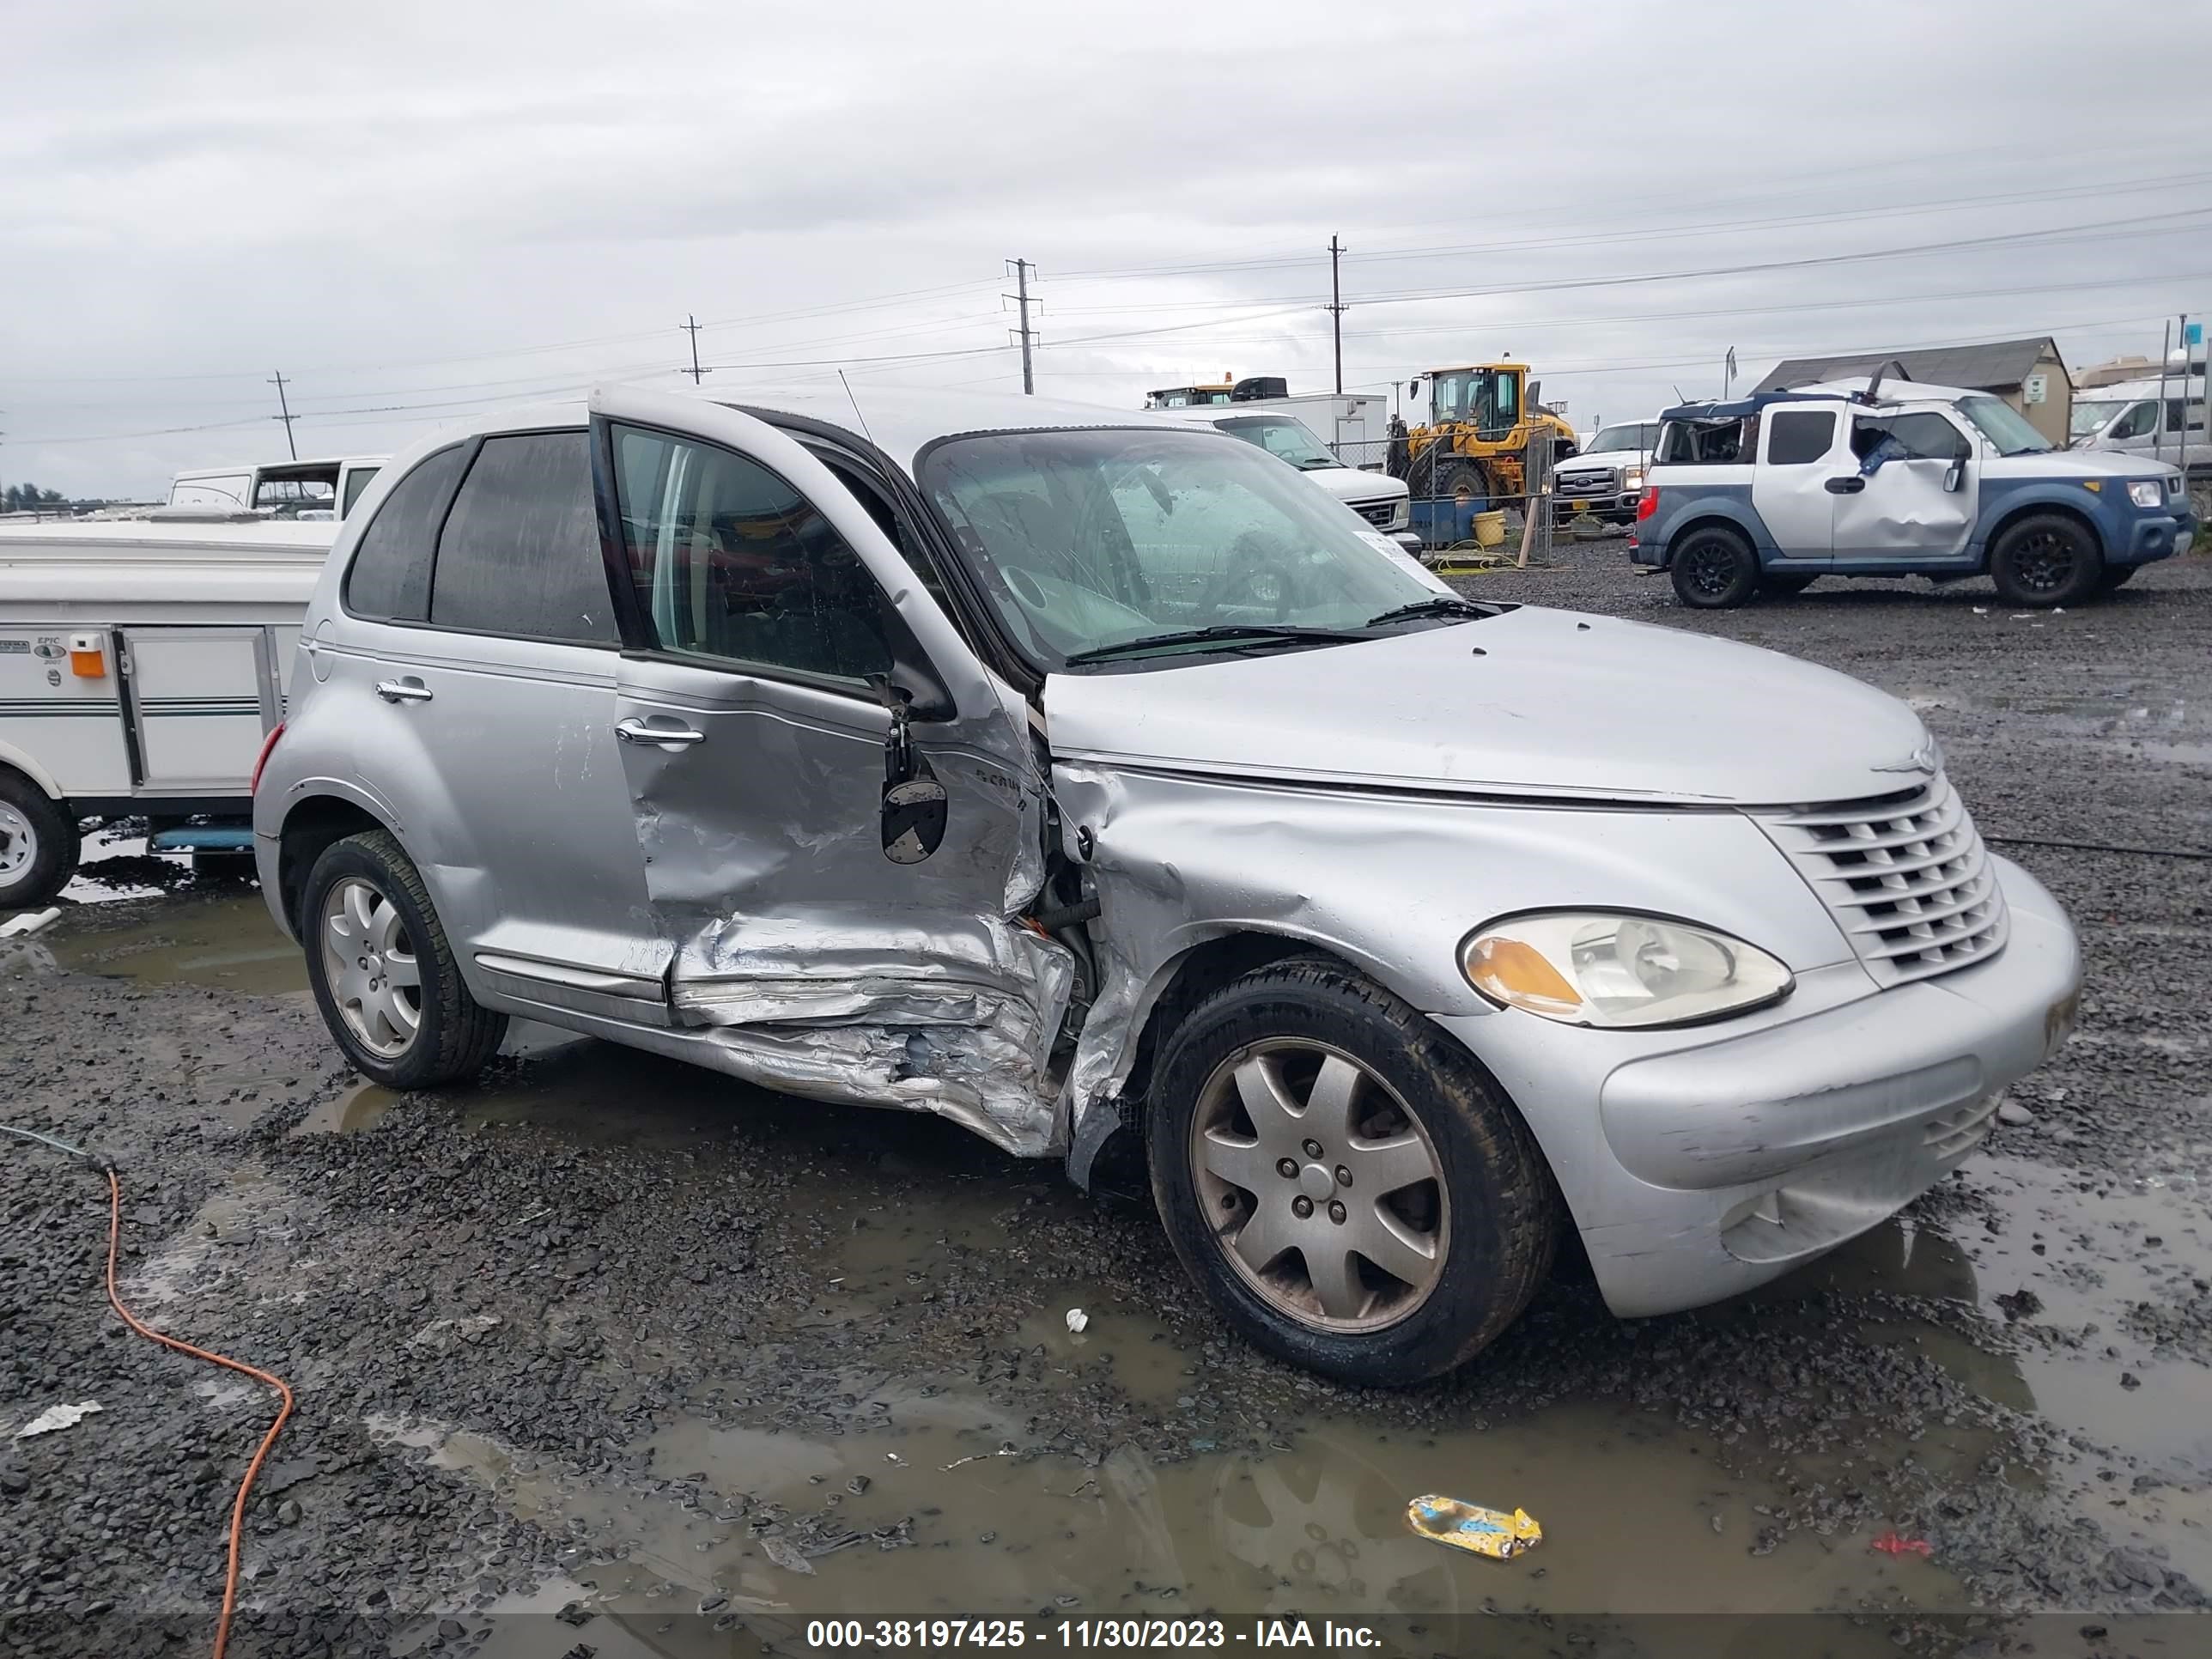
column 2174, row 407
column 1800, row 435
column 1917, row 437
column 520, row 551
column 2137, row 422
column 1509, row 399
column 390, row 577
column 730, row 562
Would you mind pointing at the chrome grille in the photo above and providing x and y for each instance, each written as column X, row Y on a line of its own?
column 1905, row 875
column 1380, row 513
column 1586, row 484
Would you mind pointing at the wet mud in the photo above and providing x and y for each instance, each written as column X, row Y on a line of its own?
column 608, row 1333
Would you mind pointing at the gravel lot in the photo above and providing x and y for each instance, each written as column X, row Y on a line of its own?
column 610, row 1334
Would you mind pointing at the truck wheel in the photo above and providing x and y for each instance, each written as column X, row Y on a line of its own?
column 38, row 844
column 2045, row 559
column 1715, row 570
column 1466, row 481
column 1787, row 582
column 383, row 972
column 1345, row 1184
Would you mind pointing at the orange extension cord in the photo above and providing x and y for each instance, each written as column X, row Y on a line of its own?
column 283, row 1390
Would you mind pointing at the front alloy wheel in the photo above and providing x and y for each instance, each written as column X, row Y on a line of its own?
column 369, row 964
column 1346, row 1184
column 1327, row 1192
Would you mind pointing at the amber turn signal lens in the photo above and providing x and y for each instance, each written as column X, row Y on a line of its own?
column 1516, row 974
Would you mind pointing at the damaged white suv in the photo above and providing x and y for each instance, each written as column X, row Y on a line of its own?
column 1061, row 771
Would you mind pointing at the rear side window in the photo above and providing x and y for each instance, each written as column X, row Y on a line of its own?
column 1708, row 443
column 356, row 480
column 1800, row 435
column 520, row 551
column 390, row 577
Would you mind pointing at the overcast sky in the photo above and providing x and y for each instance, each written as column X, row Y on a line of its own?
column 418, row 209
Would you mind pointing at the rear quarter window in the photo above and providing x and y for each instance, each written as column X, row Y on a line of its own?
column 390, row 576
column 1709, row 443
column 1796, row 436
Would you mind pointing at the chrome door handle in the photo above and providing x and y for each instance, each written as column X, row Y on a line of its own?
column 410, row 690
column 668, row 737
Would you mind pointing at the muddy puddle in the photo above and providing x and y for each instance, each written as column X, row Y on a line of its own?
column 922, row 1494
column 225, row 943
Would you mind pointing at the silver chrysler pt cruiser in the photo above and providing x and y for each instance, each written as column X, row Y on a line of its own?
column 1096, row 781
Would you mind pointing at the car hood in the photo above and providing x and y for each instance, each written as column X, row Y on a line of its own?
column 2077, row 463
column 1349, row 483
column 1605, row 460
column 1533, row 701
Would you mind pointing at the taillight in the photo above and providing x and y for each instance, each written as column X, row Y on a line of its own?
column 268, row 743
column 1647, row 503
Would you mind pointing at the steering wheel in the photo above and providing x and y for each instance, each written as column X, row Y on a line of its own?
column 1257, row 575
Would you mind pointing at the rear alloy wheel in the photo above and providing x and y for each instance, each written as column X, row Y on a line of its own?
column 383, row 972
column 38, row 845
column 1342, row 1179
column 1715, row 570
column 2045, row 559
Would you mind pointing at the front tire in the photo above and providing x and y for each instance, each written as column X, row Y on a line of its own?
column 1715, row 570
column 1466, row 482
column 38, row 844
column 2045, row 559
column 1411, row 1239
column 384, row 973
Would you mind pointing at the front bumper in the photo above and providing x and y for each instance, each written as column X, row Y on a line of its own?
column 2159, row 536
column 1699, row 1170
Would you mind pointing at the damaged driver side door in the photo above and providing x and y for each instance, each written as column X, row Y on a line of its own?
column 837, row 803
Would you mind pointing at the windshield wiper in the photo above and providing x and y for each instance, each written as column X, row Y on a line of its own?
column 1258, row 632
column 1444, row 605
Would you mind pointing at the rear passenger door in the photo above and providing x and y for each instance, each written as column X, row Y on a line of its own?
column 488, row 707
column 1800, row 449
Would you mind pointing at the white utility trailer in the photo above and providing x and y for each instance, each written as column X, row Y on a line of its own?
column 141, row 666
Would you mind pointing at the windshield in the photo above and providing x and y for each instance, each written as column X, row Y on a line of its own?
column 1278, row 435
column 2089, row 416
column 2004, row 426
column 1085, row 540
column 1637, row 437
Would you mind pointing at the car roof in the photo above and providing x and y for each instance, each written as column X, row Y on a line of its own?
column 1888, row 393
column 900, row 422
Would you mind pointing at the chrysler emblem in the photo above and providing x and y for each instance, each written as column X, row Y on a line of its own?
column 1922, row 759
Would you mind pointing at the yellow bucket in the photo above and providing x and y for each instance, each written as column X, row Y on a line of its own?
column 1490, row 529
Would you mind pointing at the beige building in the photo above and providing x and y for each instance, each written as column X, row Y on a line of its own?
column 2028, row 375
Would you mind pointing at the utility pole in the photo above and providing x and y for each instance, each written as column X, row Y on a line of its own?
column 1336, row 309
column 1021, row 297
column 691, row 327
column 287, row 415
column 2158, row 426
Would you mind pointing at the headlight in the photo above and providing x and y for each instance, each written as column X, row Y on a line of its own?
column 1401, row 515
column 1587, row 967
column 1632, row 479
column 2149, row 492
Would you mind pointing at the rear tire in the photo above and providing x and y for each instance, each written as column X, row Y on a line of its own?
column 1714, row 569
column 2045, row 559
column 1466, row 481
column 1444, row 1181
column 368, row 928
column 38, row 844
